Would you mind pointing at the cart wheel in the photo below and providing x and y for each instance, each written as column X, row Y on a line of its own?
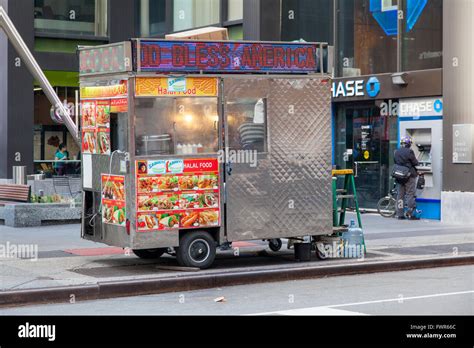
column 275, row 244
column 150, row 253
column 196, row 249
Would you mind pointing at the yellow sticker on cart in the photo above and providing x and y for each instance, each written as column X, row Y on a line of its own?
column 176, row 87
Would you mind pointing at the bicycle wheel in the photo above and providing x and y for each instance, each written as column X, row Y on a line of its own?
column 387, row 207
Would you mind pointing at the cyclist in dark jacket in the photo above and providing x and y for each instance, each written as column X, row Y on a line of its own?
column 405, row 156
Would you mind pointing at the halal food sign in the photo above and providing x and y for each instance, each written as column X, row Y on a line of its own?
column 232, row 57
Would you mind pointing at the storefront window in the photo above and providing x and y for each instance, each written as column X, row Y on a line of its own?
column 367, row 37
column 152, row 17
column 176, row 126
column 48, row 135
column 235, row 10
column 236, row 32
column 188, row 14
column 310, row 20
column 73, row 17
column 423, row 36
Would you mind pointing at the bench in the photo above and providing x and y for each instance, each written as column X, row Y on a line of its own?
column 36, row 214
column 14, row 194
column 17, row 211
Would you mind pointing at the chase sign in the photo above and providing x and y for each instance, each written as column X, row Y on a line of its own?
column 385, row 13
column 356, row 88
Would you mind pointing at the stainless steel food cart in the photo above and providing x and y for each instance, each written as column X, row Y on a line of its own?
column 188, row 145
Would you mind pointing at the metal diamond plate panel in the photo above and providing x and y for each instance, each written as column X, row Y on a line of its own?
column 288, row 194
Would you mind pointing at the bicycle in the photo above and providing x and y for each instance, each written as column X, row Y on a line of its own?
column 387, row 206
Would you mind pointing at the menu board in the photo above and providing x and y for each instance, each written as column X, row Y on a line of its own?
column 177, row 194
column 113, row 200
column 96, row 127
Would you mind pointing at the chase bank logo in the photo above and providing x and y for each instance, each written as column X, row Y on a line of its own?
column 385, row 13
column 438, row 105
column 373, row 87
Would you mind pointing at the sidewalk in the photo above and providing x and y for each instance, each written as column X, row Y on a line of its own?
column 64, row 259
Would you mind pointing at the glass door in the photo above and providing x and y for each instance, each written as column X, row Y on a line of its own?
column 364, row 142
column 367, row 153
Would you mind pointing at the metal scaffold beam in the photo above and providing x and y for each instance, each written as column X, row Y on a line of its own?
column 17, row 41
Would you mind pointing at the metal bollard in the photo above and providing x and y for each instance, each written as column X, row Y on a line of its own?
column 19, row 175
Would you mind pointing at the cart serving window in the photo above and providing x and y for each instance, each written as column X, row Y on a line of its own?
column 176, row 116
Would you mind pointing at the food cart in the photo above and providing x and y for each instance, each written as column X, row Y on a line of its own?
column 191, row 145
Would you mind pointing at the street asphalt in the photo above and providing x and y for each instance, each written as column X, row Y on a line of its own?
column 440, row 291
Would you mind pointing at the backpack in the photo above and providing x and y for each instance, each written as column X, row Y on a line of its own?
column 401, row 173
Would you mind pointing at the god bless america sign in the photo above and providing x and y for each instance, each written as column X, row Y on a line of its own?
column 227, row 57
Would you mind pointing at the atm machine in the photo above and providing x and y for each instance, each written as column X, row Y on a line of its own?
column 422, row 120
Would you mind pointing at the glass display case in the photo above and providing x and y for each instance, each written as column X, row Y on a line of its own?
column 176, row 126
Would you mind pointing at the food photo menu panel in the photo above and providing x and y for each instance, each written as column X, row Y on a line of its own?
column 113, row 200
column 96, row 127
column 177, row 194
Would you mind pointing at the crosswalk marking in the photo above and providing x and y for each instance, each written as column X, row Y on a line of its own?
column 402, row 298
column 332, row 309
column 313, row 311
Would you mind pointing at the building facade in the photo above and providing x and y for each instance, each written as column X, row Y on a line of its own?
column 401, row 68
column 458, row 73
column 389, row 84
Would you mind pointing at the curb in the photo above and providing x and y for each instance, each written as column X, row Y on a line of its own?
column 113, row 289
